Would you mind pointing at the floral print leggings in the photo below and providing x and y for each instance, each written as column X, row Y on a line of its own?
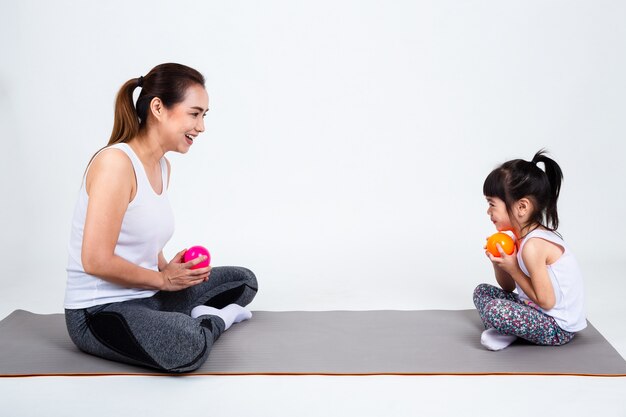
column 508, row 314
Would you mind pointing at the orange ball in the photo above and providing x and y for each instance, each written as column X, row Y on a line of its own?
column 506, row 243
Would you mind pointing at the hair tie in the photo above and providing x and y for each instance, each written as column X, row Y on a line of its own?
column 140, row 81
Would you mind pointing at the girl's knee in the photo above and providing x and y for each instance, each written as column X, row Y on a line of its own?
column 481, row 290
column 482, row 293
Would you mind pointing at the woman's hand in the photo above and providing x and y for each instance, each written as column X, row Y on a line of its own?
column 178, row 275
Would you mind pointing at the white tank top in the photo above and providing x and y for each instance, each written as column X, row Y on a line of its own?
column 146, row 227
column 566, row 277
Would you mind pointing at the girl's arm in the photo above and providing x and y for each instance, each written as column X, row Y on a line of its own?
column 110, row 184
column 505, row 281
column 537, row 286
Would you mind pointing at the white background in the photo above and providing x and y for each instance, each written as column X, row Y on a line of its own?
column 345, row 150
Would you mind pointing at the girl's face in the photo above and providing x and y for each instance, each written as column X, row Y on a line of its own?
column 498, row 214
column 182, row 123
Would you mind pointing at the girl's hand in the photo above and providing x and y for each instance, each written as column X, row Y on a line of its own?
column 508, row 263
column 178, row 275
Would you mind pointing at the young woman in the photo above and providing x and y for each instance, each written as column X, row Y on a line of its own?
column 123, row 300
column 548, row 308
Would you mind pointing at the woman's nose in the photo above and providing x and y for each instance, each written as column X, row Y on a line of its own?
column 200, row 126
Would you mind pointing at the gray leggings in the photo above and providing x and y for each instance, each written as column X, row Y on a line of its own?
column 158, row 332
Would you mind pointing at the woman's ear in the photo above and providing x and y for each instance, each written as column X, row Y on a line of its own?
column 156, row 108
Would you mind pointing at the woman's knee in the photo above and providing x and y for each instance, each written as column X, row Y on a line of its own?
column 187, row 357
column 239, row 286
column 249, row 278
column 179, row 344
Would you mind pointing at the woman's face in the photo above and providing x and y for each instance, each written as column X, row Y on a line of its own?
column 182, row 123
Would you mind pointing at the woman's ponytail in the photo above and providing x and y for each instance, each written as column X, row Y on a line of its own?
column 554, row 175
column 168, row 82
column 126, row 121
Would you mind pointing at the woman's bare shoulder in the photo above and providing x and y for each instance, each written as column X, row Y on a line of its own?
column 110, row 165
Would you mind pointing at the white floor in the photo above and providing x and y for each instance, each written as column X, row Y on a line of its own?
column 334, row 396
column 314, row 396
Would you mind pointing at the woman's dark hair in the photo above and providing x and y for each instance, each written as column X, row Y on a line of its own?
column 516, row 179
column 169, row 82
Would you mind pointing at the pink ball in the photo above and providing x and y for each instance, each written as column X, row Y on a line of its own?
column 195, row 251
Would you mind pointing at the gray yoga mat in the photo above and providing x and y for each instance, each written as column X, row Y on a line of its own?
column 429, row 342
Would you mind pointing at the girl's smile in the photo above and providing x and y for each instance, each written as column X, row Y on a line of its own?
column 498, row 214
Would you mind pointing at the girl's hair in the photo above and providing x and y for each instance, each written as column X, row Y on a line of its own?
column 169, row 82
column 516, row 179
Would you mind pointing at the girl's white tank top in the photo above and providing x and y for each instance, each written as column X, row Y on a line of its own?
column 566, row 278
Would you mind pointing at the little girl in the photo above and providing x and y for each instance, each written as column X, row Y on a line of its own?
column 548, row 308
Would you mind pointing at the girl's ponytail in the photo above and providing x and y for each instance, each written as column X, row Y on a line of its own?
column 555, row 177
column 518, row 178
column 126, row 121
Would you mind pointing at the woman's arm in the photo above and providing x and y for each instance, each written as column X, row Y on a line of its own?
column 110, row 184
column 162, row 261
